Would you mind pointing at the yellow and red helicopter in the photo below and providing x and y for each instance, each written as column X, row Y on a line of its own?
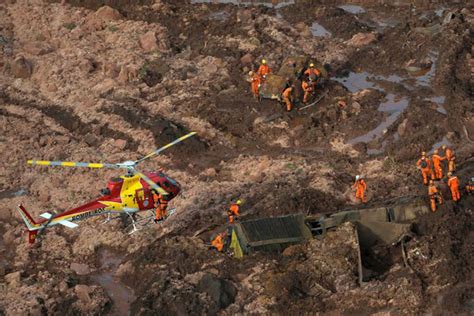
column 127, row 194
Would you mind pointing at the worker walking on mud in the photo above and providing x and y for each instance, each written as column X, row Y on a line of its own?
column 308, row 90
column 436, row 158
column 161, row 204
column 288, row 98
column 470, row 186
column 255, row 84
column 264, row 69
column 360, row 186
column 424, row 165
column 450, row 158
column 233, row 211
column 453, row 184
column 434, row 195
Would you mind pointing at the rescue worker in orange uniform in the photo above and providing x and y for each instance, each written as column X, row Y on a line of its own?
column 449, row 155
column 470, row 186
column 308, row 89
column 161, row 204
column 255, row 84
column 287, row 98
column 453, row 184
column 360, row 187
column 434, row 196
column 436, row 158
column 233, row 211
column 424, row 165
column 312, row 71
column 218, row 242
column 264, row 69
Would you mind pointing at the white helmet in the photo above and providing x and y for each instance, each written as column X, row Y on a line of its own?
column 357, row 177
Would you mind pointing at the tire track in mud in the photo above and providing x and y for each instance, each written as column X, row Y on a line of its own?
column 91, row 133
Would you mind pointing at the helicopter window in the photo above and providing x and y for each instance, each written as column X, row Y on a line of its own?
column 171, row 181
column 166, row 184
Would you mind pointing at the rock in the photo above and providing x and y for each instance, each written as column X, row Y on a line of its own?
column 209, row 172
column 104, row 87
column 21, row 68
column 83, row 292
column 148, row 42
column 13, row 279
column 355, row 107
column 401, row 129
column 247, row 59
column 123, row 75
column 63, row 287
column 362, row 39
column 120, row 144
column 222, row 292
column 107, row 13
column 80, row 268
column 194, row 278
column 300, row 26
column 37, row 48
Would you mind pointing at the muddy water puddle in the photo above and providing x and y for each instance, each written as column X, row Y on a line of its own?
column 276, row 4
column 6, row 194
column 393, row 107
column 351, row 8
column 319, row 31
column 121, row 295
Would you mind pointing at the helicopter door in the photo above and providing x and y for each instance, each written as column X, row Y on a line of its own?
column 144, row 198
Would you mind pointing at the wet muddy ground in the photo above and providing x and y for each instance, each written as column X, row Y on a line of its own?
column 405, row 91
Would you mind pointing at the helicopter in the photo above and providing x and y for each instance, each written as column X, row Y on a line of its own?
column 124, row 195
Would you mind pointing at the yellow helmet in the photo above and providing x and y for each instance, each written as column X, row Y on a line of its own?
column 435, row 151
column 264, row 61
column 238, row 202
column 450, row 174
column 311, row 65
column 423, row 153
column 251, row 73
column 444, row 146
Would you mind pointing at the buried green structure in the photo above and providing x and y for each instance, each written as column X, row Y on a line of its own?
column 386, row 225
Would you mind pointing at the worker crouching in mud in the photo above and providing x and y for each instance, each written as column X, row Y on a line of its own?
column 220, row 242
column 360, row 186
column 288, row 97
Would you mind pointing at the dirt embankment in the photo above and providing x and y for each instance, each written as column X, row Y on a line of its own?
column 82, row 82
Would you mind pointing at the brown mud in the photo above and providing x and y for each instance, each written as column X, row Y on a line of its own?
column 89, row 90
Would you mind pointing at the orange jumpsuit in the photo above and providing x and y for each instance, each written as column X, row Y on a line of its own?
column 312, row 71
column 218, row 243
column 470, row 188
column 287, row 98
column 453, row 184
column 449, row 154
column 263, row 70
column 308, row 89
column 360, row 187
column 233, row 213
column 434, row 195
column 425, row 171
column 255, row 85
column 161, row 205
column 438, row 171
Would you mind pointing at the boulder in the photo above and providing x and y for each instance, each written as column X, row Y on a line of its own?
column 401, row 129
column 247, row 59
column 83, row 292
column 148, row 42
column 13, row 279
column 80, row 268
column 107, row 13
column 120, row 144
column 221, row 291
column 21, row 68
column 362, row 39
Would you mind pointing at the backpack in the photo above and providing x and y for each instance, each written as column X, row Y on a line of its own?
column 424, row 164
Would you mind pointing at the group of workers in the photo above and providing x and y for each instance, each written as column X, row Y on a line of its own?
column 432, row 170
column 308, row 84
column 222, row 239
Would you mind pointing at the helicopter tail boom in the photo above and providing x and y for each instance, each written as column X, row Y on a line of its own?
column 31, row 224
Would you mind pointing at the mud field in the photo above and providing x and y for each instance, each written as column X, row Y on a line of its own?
column 84, row 82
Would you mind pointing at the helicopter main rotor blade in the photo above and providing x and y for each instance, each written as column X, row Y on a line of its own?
column 156, row 152
column 150, row 182
column 72, row 164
